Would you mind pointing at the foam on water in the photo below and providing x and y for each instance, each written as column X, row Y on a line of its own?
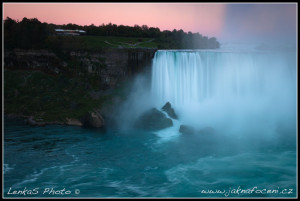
column 7, row 168
column 168, row 134
column 237, row 170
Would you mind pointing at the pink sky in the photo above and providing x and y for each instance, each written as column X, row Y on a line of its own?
column 229, row 22
column 206, row 19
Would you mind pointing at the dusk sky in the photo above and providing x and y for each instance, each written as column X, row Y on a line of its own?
column 226, row 22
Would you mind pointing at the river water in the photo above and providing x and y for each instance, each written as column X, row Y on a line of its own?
column 132, row 163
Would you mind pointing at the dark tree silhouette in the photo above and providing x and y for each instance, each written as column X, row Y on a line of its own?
column 31, row 33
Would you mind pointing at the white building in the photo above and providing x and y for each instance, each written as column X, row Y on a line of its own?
column 69, row 32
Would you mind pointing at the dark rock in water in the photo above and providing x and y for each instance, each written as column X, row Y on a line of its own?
column 207, row 130
column 186, row 129
column 92, row 119
column 153, row 120
column 32, row 122
column 169, row 110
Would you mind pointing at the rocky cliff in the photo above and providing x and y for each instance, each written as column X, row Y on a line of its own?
column 61, row 87
column 111, row 65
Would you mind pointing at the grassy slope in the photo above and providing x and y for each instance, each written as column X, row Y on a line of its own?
column 96, row 42
column 126, row 42
column 49, row 97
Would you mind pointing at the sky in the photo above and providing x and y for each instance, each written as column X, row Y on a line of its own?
column 228, row 22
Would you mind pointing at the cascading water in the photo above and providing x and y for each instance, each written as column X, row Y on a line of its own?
column 239, row 91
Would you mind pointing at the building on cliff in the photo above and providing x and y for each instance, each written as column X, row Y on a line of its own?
column 69, row 32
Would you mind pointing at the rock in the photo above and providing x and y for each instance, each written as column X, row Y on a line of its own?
column 92, row 119
column 153, row 120
column 169, row 110
column 31, row 121
column 186, row 129
column 207, row 130
column 41, row 124
column 73, row 122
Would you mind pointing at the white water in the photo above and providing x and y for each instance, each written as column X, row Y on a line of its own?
column 237, row 92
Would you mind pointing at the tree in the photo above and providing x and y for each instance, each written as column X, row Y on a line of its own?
column 31, row 33
column 9, row 33
column 145, row 27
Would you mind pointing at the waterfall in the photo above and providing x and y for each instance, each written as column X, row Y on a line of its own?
column 207, row 87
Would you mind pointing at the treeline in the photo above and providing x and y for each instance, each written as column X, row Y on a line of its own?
column 31, row 33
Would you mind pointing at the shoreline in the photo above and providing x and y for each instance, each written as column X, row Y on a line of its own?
column 30, row 120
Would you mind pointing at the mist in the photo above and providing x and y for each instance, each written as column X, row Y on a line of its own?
column 137, row 101
column 243, row 94
column 272, row 24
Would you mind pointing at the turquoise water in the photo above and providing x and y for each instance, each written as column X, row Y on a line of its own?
column 78, row 162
